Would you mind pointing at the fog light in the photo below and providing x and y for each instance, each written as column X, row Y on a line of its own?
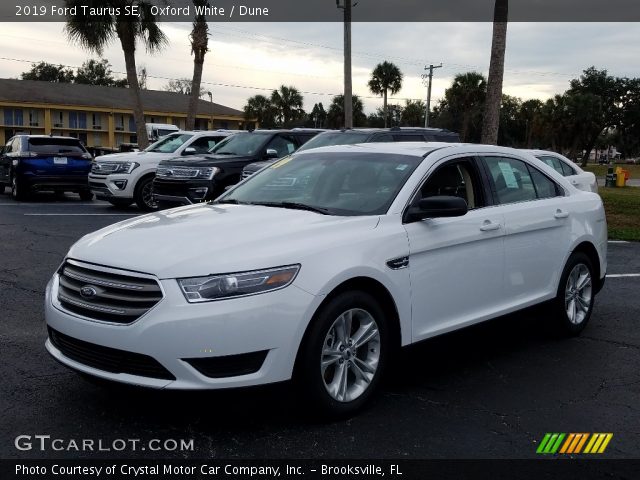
column 120, row 184
column 198, row 193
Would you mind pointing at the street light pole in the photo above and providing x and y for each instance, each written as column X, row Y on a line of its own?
column 211, row 101
column 430, row 76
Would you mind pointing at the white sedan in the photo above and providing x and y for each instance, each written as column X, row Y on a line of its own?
column 318, row 267
column 577, row 176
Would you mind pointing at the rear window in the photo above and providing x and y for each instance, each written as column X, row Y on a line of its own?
column 55, row 145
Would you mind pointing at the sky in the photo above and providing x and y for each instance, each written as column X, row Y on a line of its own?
column 247, row 59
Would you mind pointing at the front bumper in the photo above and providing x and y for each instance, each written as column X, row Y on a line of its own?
column 175, row 330
column 105, row 187
column 182, row 192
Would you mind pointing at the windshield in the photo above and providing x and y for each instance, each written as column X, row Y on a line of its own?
column 336, row 183
column 169, row 144
column 334, row 138
column 241, row 144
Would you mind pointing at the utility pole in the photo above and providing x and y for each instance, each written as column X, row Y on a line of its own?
column 431, row 68
column 348, row 103
column 211, row 101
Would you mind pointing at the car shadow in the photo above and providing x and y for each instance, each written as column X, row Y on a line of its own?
column 439, row 360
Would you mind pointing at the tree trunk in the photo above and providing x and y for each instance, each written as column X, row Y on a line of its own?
column 384, row 107
column 348, row 102
column 198, row 64
column 491, row 117
column 128, row 47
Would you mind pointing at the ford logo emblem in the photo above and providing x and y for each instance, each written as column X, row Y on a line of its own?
column 88, row 291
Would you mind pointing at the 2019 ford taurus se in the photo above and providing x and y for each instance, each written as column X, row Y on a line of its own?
column 319, row 266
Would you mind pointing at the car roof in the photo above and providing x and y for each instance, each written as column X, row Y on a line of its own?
column 419, row 149
column 25, row 135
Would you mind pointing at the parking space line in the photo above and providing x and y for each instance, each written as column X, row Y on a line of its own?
column 80, row 214
column 623, row 275
column 617, row 241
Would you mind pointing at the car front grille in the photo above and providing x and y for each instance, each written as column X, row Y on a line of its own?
column 104, row 168
column 108, row 359
column 106, row 294
column 181, row 172
column 246, row 174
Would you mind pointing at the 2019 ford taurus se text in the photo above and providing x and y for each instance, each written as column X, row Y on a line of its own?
column 319, row 266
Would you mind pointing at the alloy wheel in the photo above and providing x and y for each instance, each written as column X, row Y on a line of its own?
column 577, row 294
column 350, row 355
column 147, row 195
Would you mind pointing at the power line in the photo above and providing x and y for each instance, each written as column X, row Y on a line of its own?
column 229, row 85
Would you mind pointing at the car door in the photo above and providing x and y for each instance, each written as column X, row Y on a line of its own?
column 456, row 264
column 537, row 221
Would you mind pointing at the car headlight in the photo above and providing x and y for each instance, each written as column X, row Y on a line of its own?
column 180, row 172
column 217, row 287
column 107, row 168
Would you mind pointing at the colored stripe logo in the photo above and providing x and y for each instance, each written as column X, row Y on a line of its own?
column 574, row 443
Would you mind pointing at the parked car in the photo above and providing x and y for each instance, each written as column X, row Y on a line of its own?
column 577, row 176
column 124, row 178
column 185, row 181
column 33, row 163
column 366, row 135
column 319, row 267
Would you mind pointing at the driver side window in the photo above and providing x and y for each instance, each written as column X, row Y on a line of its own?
column 458, row 178
column 283, row 145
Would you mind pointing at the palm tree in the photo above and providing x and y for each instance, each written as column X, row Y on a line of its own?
column 465, row 98
column 336, row 113
column 95, row 32
column 259, row 109
column 385, row 77
column 287, row 103
column 199, row 46
column 491, row 117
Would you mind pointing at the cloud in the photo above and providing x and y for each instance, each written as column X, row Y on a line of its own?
column 252, row 58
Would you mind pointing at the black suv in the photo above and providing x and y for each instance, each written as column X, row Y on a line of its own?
column 181, row 181
column 31, row 163
column 367, row 135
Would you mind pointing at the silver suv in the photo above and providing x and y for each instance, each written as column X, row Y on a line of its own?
column 124, row 178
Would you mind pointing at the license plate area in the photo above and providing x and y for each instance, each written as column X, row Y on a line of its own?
column 60, row 160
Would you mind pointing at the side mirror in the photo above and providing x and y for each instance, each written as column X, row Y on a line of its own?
column 437, row 207
column 189, row 151
column 271, row 153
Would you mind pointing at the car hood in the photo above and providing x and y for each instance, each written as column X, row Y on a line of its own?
column 203, row 161
column 134, row 157
column 202, row 239
column 255, row 166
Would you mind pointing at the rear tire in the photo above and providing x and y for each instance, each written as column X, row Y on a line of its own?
column 344, row 354
column 18, row 191
column 572, row 307
column 85, row 195
column 143, row 195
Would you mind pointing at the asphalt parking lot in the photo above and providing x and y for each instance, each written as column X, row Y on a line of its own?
column 491, row 391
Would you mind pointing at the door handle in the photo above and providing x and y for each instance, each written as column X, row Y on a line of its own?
column 488, row 226
column 561, row 214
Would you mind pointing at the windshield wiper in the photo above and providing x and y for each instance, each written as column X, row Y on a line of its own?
column 223, row 153
column 295, row 206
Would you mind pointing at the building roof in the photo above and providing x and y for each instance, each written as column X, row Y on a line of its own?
column 34, row 91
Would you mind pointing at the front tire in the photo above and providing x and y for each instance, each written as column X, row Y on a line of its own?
column 344, row 354
column 573, row 304
column 143, row 195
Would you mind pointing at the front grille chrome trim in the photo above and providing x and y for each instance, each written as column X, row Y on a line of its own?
column 115, row 300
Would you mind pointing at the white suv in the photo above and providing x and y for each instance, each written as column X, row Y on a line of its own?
column 321, row 265
column 124, row 178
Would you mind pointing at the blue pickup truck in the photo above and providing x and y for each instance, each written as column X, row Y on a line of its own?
column 31, row 163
